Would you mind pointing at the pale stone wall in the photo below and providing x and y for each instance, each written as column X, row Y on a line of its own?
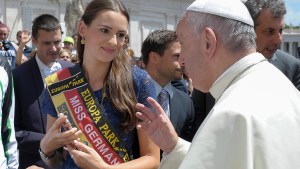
column 291, row 38
column 145, row 16
column 149, row 15
column 19, row 14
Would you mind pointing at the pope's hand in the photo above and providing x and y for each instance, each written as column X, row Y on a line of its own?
column 157, row 125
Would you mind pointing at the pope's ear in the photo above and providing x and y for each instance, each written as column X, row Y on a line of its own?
column 211, row 41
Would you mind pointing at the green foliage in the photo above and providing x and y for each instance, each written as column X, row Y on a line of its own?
column 291, row 26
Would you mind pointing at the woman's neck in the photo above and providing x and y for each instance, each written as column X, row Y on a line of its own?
column 96, row 73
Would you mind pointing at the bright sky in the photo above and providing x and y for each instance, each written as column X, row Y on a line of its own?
column 293, row 12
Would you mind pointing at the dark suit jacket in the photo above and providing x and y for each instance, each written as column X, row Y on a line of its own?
column 30, row 122
column 182, row 114
column 288, row 65
column 203, row 103
column 180, row 84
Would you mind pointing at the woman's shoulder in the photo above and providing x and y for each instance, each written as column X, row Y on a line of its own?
column 139, row 74
column 141, row 78
column 144, row 86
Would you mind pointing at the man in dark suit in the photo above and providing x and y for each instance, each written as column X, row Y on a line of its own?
column 268, row 17
column 203, row 103
column 160, row 51
column 288, row 65
column 30, row 122
column 181, row 85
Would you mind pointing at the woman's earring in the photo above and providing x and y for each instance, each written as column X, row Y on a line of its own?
column 82, row 41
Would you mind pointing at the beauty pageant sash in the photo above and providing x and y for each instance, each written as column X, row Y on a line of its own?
column 72, row 96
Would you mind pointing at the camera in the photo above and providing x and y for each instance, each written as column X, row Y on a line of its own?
column 5, row 45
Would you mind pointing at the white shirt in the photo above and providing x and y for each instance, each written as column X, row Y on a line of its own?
column 45, row 70
column 255, row 123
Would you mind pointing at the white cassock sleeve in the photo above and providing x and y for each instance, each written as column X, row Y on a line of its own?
column 174, row 159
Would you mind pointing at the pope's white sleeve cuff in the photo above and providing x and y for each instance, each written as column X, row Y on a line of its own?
column 174, row 159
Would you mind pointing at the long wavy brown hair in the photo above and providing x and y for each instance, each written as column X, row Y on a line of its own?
column 119, row 81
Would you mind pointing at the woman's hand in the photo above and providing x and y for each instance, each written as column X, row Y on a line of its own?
column 55, row 138
column 85, row 156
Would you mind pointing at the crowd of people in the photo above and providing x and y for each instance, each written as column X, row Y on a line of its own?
column 215, row 93
column 19, row 52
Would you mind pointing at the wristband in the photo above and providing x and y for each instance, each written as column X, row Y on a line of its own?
column 44, row 155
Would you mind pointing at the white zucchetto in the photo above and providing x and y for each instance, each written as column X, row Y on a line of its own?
column 232, row 9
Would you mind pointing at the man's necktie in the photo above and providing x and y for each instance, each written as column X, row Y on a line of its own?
column 163, row 99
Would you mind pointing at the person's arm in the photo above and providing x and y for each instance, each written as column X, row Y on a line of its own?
column 50, row 156
column 55, row 139
column 149, row 155
column 28, row 140
column 159, row 127
column 7, row 118
column 149, row 152
column 12, row 146
column 20, row 57
column 86, row 157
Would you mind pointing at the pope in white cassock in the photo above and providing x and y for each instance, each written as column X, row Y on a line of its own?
column 255, row 123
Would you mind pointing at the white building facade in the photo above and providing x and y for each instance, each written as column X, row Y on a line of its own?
column 145, row 16
column 291, row 42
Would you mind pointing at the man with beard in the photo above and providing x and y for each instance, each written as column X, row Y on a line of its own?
column 160, row 52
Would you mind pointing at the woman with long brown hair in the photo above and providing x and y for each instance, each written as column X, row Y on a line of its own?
column 116, row 84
